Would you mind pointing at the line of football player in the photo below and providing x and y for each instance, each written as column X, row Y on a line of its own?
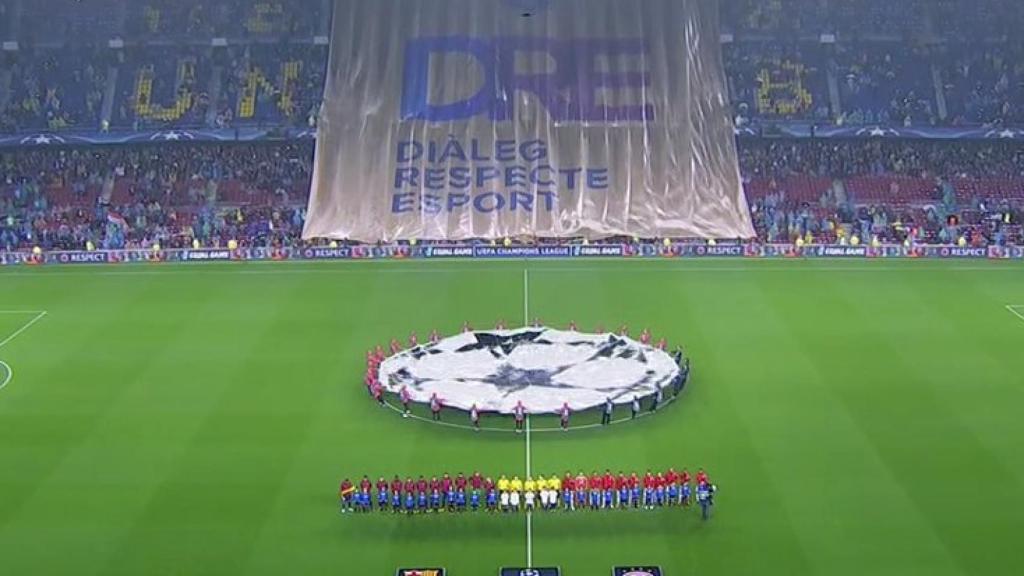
column 570, row 492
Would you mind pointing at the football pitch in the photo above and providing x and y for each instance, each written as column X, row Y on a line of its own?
column 858, row 418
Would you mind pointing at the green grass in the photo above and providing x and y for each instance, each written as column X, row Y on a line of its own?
column 859, row 418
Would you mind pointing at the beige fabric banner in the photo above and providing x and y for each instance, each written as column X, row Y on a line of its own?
column 455, row 119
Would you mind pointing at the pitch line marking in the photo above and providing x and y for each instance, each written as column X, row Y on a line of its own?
column 38, row 316
column 10, row 374
column 1013, row 310
column 529, row 513
column 526, row 297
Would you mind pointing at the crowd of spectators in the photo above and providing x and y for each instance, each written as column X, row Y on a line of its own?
column 130, row 197
column 817, row 191
column 913, row 63
column 55, row 89
column 929, row 191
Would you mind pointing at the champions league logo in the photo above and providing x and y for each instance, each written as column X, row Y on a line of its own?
column 552, row 571
column 540, row 367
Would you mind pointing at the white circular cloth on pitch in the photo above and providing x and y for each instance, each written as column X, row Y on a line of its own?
column 541, row 367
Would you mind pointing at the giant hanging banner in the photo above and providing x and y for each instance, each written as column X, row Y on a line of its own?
column 454, row 119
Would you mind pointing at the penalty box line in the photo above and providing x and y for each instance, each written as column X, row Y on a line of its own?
column 1016, row 309
column 37, row 316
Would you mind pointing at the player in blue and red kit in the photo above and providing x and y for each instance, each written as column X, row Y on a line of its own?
column 673, row 493
column 595, row 484
column 382, row 494
column 608, row 489
column 446, row 487
column 364, row 501
column 396, row 501
column 581, row 491
column 410, row 502
column 659, row 490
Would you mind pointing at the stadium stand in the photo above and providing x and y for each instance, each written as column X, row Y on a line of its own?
column 119, row 67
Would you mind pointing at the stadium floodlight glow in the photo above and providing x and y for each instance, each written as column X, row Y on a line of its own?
column 543, row 368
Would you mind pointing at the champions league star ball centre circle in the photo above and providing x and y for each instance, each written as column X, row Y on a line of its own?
column 543, row 368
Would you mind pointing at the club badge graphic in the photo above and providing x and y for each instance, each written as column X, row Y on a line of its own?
column 636, row 571
column 420, row 572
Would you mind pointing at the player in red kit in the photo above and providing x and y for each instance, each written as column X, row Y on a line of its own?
column 580, row 484
column 364, row 484
column 460, row 482
column 421, row 485
column 672, row 480
column 345, row 491
column 476, row 481
column 608, row 481
column 702, row 477
column 396, row 484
